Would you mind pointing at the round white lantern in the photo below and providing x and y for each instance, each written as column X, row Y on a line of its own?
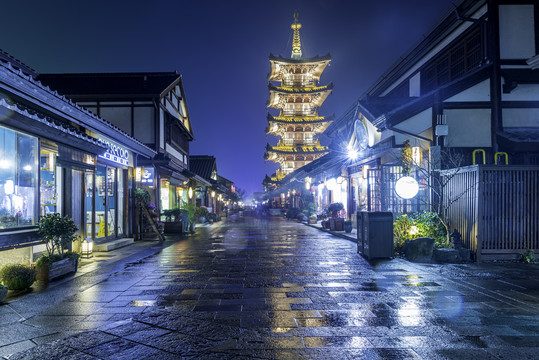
column 406, row 187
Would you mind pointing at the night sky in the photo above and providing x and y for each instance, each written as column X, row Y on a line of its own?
column 221, row 48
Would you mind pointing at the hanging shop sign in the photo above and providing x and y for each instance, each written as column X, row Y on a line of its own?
column 147, row 176
column 406, row 187
column 115, row 153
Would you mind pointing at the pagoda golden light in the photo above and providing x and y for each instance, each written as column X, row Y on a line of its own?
column 294, row 91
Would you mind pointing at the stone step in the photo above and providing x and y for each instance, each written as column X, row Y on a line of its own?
column 113, row 244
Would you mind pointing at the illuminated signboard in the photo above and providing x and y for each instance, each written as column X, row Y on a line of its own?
column 232, row 188
column 115, row 153
column 147, row 176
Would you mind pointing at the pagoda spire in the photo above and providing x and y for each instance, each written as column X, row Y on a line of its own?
column 296, row 41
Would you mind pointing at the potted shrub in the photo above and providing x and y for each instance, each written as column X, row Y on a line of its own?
column 188, row 215
column 57, row 233
column 336, row 223
column 17, row 276
column 3, row 292
column 173, row 220
column 201, row 213
column 313, row 219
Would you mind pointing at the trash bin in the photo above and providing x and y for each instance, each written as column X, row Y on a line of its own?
column 376, row 234
column 360, row 232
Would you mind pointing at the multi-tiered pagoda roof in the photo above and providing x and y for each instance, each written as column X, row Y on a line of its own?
column 295, row 92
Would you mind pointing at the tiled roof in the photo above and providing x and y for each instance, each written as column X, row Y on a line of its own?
column 30, row 83
column 16, row 63
column 317, row 58
column 300, row 90
column 202, row 165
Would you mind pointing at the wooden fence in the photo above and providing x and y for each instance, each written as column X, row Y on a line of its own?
column 497, row 211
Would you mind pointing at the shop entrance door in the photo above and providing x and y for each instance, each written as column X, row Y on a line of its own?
column 105, row 202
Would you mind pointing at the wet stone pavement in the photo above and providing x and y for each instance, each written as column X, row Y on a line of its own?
column 271, row 289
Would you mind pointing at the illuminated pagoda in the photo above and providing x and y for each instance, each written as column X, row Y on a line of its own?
column 295, row 93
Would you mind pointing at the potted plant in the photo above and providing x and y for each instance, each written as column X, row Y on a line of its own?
column 57, row 233
column 3, row 292
column 336, row 223
column 313, row 219
column 17, row 276
column 334, row 209
column 173, row 220
column 201, row 213
column 189, row 215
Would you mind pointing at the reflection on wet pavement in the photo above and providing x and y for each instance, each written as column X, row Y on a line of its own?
column 272, row 289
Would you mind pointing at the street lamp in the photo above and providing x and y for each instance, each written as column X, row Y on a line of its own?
column 87, row 248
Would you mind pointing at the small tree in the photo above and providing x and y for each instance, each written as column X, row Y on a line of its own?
column 57, row 232
column 439, row 170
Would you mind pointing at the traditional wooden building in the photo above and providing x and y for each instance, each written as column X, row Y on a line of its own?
column 296, row 94
column 468, row 89
column 152, row 108
column 57, row 157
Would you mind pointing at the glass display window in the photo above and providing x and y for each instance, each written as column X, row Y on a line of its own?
column 165, row 194
column 49, row 183
column 18, row 179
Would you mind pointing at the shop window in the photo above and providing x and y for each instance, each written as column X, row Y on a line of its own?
column 165, row 194
column 18, row 179
column 50, row 183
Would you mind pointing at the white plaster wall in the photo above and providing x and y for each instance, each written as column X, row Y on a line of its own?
column 523, row 92
column 16, row 256
column 415, row 85
column 478, row 92
column 468, row 127
column 417, row 123
column 520, row 117
column 517, row 35
column 161, row 129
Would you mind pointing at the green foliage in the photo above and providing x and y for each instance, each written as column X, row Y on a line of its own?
column 201, row 211
column 292, row 213
column 57, row 232
column 334, row 208
column 17, row 276
column 423, row 224
column 47, row 260
column 528, row 257
column 142, row 196
column 173, row 214
column 406, row 158
column 191, row 211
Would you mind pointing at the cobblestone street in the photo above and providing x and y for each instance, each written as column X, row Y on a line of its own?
column 272, row 289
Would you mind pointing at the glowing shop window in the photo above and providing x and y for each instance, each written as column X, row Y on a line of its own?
column 18, row 179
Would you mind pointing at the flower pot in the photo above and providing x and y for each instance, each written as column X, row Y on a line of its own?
column 336, row 224
column 173, row 227
column 348, row 226
column 3, row 293
column 42, row 273
column 312, row 221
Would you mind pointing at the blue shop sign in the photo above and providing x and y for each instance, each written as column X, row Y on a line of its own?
column 115, row 154
column 147, row 177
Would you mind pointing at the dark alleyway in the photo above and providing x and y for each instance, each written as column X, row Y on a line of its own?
column 249, row 289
